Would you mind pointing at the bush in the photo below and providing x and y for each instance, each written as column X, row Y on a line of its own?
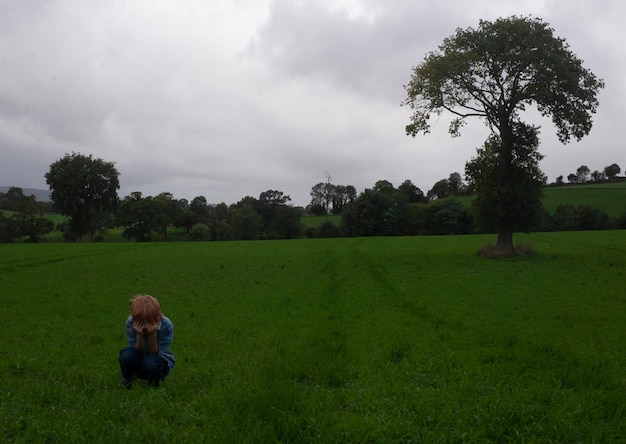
column 328, row 229
column 567, row 217
column 447, row 216
column 70, row 235
column 620, row 221
column 8, row 229
column 199, row 232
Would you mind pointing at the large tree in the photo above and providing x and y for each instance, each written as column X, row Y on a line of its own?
column 85, row 190
column 494, row 72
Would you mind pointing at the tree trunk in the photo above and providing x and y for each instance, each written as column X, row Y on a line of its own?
column 504, row 245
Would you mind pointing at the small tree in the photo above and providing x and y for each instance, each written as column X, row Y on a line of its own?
column 30, row 219
column 598, row 176
column 612, row 170
column 327, row 197
column 583, row 173
column 413, row 193
column 439, row 190
column 322, row 196
column 455, row 182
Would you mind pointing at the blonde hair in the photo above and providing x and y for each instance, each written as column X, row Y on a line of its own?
column 145, row 311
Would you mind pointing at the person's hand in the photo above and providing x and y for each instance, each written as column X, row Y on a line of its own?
column 149, row 329
column 139, row 327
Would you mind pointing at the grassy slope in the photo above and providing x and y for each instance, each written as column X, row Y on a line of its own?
column 329, row 340
column 608, row 197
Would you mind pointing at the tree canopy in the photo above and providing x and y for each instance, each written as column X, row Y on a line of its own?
column 494, row 72
column 85, row 190
column 27, row 218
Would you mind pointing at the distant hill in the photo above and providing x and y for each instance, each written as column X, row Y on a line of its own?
column 40, row 195
column 609, row 197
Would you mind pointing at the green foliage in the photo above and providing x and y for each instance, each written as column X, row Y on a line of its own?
column 245, row 223
column 387, row 211
column 447, row 216
column 339, row 340
column 327, row 198
column 567, row 217
column 494, row 72
column 315, row 221
column 413, row 193
column 284, row 222
column 418, row 214
column 380, row 211
column 509, row 195
column 498, row 69
column 26, row 218
column 276, row 219
column 440, row 190
column 608, row 197
column 200, row 232
column 140, row 216
column 85, row 190
column 9, row 229
column 324, row 230
column 611, row 171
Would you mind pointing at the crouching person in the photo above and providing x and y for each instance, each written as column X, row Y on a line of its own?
column 149, row 334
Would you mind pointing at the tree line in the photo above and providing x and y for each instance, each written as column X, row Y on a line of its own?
column 583, row 175
column 384, row 210
column 84, row 189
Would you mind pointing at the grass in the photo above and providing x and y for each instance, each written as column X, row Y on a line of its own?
column 321, row 340
column 609, row 197
column 316, row 221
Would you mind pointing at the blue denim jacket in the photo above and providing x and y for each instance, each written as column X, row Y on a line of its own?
column 165, row 335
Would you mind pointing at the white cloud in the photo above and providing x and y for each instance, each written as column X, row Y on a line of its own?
column 231, row 98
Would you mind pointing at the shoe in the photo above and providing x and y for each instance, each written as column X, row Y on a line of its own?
column 125, row 383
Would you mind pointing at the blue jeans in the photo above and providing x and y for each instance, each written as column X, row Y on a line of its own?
column 134, row 364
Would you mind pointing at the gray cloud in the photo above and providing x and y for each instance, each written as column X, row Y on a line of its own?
column 226, row 99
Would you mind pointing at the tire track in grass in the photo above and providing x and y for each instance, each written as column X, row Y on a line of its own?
column 325, row 357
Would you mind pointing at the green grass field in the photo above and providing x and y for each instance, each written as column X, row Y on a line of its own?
column 323, row 340
column 315, row 221
column 608, row 197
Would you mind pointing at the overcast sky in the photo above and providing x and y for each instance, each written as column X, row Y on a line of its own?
column 229, row 98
